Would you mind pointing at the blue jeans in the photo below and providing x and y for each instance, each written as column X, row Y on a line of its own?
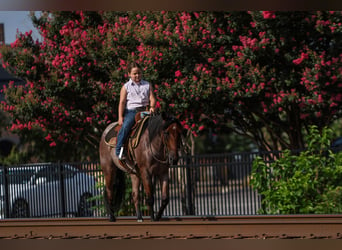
column 129, row 120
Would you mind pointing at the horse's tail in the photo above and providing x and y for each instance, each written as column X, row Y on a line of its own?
column 119, row 189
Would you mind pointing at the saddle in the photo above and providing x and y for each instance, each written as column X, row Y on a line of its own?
column 133, row 140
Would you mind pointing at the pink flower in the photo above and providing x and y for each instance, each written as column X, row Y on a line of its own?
column 53, row 144
column 178, row 73
column 320, row 99
column 304, row 56
column 297, row 61
column 48, row 137
column 332, row 28
column 268, row 14
column 262, row 34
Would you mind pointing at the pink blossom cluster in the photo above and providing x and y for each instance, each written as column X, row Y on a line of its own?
column 200, row 63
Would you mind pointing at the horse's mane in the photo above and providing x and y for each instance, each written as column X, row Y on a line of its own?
column 157, row 123
column 154, row 126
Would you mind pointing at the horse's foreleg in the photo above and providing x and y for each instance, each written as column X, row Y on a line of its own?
column 149, row 191
column 135, row 195
column 164, row 183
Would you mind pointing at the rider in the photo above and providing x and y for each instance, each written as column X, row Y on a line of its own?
column 135, row 95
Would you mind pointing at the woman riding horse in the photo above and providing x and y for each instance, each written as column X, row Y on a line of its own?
column 157, row 149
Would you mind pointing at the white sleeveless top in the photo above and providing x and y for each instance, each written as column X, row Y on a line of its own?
column 138, row 95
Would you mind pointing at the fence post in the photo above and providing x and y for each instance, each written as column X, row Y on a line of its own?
column 5, row 190
column 189, row 185
column 62, row 188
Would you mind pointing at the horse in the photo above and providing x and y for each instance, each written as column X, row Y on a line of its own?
column 157, row 149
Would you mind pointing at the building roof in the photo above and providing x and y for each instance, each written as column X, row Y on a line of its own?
column 5, row 77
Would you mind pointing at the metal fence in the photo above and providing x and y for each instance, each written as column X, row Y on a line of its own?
column 203, row 185
column 213, row 185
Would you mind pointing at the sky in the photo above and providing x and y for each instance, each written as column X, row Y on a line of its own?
column 17, row 21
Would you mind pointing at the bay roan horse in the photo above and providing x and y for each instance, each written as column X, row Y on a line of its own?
column 157, row 149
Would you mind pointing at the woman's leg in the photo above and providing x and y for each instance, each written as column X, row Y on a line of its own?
column 129, row 120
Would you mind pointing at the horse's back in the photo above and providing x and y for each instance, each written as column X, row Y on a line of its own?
column 109, row 131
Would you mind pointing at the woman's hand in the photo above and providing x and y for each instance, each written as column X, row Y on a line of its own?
column 120, row 121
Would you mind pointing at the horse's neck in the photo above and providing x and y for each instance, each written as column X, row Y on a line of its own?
column 158, row 143
column 158, row 140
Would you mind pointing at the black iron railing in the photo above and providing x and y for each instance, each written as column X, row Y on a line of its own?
column 203, row 185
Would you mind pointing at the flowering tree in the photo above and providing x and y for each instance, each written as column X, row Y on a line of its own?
column 266, row 75
column 286, row 75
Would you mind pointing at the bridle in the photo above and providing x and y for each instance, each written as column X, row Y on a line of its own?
column 164, row 138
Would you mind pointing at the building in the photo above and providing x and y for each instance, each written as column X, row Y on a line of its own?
column 7, row 140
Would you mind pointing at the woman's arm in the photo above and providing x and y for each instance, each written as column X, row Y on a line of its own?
column 122, row 104
column 152, row 99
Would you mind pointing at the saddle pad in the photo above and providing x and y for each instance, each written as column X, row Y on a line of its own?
column 112, row 141
column 135, row 136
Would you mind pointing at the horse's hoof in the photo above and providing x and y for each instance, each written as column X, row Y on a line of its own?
column 140, row 220
column 112, row 218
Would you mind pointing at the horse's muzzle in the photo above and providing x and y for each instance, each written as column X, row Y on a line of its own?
column 173, row 159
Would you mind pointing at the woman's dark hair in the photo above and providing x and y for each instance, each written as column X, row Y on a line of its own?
column 132, row 65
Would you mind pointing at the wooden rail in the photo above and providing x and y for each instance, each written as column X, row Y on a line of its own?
column 232, row 227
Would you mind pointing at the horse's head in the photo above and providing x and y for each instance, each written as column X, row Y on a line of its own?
column 172, row 138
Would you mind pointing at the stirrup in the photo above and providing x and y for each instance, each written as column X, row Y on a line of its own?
column 130, row 170
column 121, row 155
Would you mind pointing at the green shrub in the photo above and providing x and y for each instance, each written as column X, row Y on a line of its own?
column 308, row 182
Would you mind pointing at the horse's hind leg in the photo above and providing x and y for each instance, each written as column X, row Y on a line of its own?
column 135, row 195
column 108, row 200
column 109, row 196
column 164, row 183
